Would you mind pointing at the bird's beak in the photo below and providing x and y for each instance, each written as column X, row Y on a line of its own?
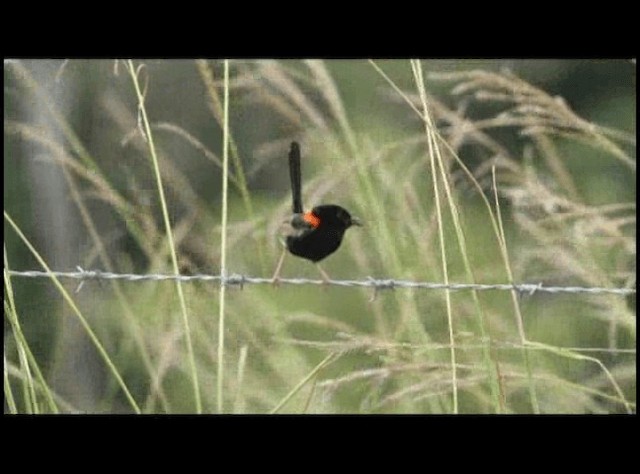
column 356, row 221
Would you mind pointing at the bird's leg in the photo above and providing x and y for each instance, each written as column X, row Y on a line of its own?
column 275, row 280
column 325, row 276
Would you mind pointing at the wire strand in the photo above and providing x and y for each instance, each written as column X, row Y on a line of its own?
column 370, row 282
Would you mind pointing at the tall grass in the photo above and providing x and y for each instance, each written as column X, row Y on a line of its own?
column 504, row 214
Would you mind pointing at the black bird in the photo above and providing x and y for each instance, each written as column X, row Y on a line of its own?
column 317, row 233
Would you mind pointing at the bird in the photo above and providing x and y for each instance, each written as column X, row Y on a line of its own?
column 317, row 233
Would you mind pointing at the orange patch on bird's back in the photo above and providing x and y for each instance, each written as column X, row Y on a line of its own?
column 312, row 219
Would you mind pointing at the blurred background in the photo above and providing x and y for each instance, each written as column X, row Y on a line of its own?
column 557, row 136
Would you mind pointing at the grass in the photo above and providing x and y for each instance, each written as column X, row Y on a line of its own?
column 511, row 210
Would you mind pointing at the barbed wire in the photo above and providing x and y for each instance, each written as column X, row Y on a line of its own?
column 369, row 282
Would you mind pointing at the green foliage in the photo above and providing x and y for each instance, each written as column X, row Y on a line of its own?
column 460, row 173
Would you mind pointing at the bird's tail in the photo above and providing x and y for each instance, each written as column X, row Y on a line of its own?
column 294, row 172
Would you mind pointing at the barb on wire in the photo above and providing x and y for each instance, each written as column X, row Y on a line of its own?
column 376, row 284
